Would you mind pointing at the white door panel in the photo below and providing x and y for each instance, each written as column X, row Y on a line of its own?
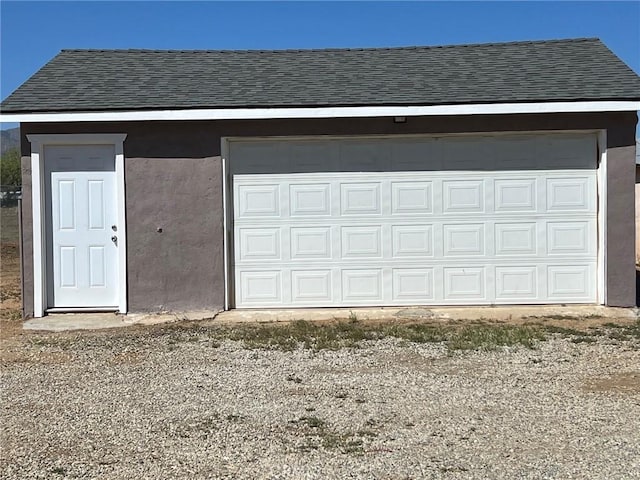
column 81, row 202
column 499, row 225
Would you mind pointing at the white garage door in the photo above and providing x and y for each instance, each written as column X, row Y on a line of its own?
column 408, row 221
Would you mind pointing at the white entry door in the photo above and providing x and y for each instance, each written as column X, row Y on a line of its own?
column 82, row 230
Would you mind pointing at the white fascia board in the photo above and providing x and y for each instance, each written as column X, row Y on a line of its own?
column 323, row 112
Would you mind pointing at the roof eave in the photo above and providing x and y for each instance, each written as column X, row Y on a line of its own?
column 324, row 112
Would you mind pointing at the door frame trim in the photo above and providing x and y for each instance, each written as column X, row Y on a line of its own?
column 38, row 144
column 602, row 181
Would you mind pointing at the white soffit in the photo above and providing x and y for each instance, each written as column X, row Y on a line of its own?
column 324, row 112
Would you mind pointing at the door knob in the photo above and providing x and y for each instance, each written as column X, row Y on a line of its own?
column 114, row 239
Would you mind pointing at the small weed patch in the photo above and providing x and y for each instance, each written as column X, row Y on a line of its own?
column 294, row 379
column 631, row 331
column 11, row 314
column 583, row 339
column 234, row 417
column 318, row 435
column 351, row 334
column 311, row 422
column 610, row 330
column 491, row 337
column 562, row 330
column 60, row 342
column 301, row 333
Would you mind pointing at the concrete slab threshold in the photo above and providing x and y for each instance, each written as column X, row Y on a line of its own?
column 95, row 321
column 499, row 313
column 59, row 322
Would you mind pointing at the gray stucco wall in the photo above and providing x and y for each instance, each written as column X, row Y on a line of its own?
column 621, row 165
column 173, row 181
column 181, row 267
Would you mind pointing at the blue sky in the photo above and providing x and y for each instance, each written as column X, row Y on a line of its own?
column 33, row 32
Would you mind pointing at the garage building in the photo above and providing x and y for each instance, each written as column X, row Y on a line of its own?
column 457, row 175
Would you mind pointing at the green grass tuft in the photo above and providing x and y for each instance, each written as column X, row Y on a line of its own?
column 351, row 334
column 491, row 337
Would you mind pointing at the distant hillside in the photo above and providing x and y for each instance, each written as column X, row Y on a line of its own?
column 9, row 139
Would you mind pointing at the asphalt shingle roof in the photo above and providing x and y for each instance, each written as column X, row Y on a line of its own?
column 103, row 80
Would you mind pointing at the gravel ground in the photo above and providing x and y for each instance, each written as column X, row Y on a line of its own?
column 150, row 404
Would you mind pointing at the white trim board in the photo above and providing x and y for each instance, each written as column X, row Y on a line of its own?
column 226, row 236
column 602, row 217
column 325, row 112
column 38, row 143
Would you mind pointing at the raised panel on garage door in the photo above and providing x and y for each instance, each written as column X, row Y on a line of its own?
column 499, row 224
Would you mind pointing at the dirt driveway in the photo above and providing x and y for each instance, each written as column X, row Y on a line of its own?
column 202, row 401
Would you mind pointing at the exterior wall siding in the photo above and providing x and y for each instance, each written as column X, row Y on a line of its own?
column 174, row 221
column 621, row 164
column 173, row 177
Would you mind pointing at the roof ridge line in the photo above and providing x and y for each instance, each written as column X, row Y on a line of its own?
column 335, row 49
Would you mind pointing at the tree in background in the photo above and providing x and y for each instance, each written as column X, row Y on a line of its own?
column 10, row 171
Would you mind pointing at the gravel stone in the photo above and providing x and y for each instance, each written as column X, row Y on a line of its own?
column 150, row 404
